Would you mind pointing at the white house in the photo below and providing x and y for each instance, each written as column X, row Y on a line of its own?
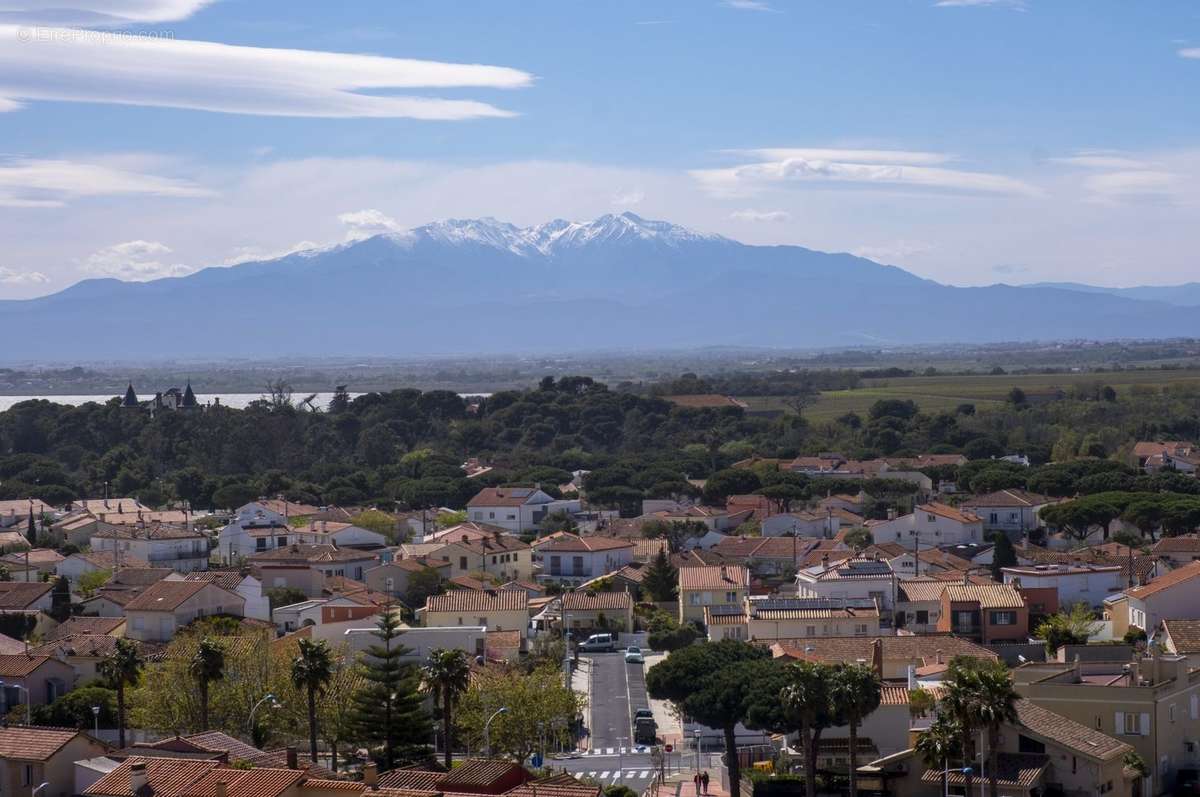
column 930, row 525
column 343, row 535
column 178, row 548
column 240, row 539
column 1172, row 596
column 257, row 606
column 852, row 579
column 320, row 612
column 1076, row 583
column 163, row 608
column 570, row 558
column 824, row 524
column 516, row 509
column 78, row 565
column 1008, row 510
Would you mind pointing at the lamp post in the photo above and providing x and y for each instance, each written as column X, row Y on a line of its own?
column 697, row 733
column 34, row 793
column 267, row 697
column 96, row 721
column 487, row 729
column 28, row 707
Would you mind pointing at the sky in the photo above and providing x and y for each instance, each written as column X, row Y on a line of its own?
column 968, row 141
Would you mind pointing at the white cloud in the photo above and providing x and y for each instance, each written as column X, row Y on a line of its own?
column 134, row 261
column 12, row 277
column 1190, row 52
column 896, row 250
column 30, row 183
column 365, row 223
column 99, row 12
column 1131, row 184
column 855, row 167
column 748, row 5
column 629, row 198
column 75, row 65
column 1101, row 160
column 749, row 214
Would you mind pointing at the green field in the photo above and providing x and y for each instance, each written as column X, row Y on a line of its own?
column 937, row 393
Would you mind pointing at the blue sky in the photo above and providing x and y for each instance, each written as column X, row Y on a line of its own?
column 966, row 140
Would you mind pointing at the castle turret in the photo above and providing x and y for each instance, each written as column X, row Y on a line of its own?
column 131, row 399
column 189, row 398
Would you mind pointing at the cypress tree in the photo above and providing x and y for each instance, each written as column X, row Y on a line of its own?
column 31, row 532
column 1003, row 555
column 662, row 580
column 389, row 711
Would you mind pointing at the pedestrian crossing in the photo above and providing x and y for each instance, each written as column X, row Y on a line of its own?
column 628, row 774
column 617, row 750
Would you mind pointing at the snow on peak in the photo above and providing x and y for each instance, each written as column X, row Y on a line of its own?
column 554, row 236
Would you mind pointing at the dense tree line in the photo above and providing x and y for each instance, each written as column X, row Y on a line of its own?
column 407, row 446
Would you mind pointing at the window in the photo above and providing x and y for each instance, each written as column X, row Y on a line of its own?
column 27, row 775
column 491, row 515
column 731, row 597
column 810, row 630
column 462, row 563
column 694, row 599
column 1131, row 724
column 139, row 623
column 993, row 518
column 260, row 544
column 860, row 629
column 1171, row 713
column 281, row 542
column 922, row 617
column 1004, row 618
column 931, row 519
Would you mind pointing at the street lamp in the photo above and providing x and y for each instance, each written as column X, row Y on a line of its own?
column 96, row 720
column 34, row 793
column 697, row 732
column 487, row 728
column 28, row 707
column 267, row 697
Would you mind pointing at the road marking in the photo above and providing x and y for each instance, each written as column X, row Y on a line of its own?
column 604, row 774
column 645, row 773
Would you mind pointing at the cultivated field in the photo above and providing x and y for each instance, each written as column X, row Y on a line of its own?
column 936, row 393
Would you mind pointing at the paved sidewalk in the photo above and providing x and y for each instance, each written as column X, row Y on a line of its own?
column 669, row 729
column 581, row 683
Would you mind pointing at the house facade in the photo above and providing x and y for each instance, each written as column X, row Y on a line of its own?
column 708, row 587
column 572, row 559
column 178, row 548
column 30, row 757
column 1074, row 583
column 931, row 525
column 1171, row 596
column 516, row 509
column 496, row 610
column 158, row 612
column 987, row 613
column 501, row 556
column 1012, row 511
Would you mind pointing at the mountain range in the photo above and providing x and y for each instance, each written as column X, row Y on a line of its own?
column 618, row 282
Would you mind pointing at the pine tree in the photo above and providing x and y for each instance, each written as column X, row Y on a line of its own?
column 390, row 708
column 662, row 580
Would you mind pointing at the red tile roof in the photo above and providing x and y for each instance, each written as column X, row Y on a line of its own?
column 1166, row 581
column 21, row 594
column 24, row 743
column 165, row 596
column 600, row 601
column 502, row 496
column 165, row 777
column 461, row 600
column 729, row 577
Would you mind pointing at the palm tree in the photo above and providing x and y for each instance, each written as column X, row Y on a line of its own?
column 855, row 690
column 312, row 670
column 940, row 743
column 446, row 674
column 806, row 698
column 993, row 703
column 207, row 665
column 122, row 668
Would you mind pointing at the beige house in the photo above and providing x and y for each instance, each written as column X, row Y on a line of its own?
column 392, row 578
column 891, row 656
column 787, row 618
column 1152, row 704
column 36, row 680
column 305, row 567
column 709, row 587
column 1179, row 551
column 503, row 557
column 162, row 609
column 1171, row 596
column 602, row 611
column 30, row 757
column 497, row 610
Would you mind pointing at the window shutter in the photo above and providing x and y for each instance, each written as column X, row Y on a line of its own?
column 1119, row 724
column 1145, row 724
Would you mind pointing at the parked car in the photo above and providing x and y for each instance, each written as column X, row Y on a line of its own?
column 598, row 643
column 633, row 655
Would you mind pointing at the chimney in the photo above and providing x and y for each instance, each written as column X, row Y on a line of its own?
column 825, row 560
column 371, row 776
column 966, row 579
column 292, row 759
column 912, row 677
column 877, row 657
column 938, row 656
column 464, row 538
column 137, row 777
column 222, row 789
column 891, row 513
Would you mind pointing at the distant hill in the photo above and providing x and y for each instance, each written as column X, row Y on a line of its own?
column 617, row 282
column 1185, row 295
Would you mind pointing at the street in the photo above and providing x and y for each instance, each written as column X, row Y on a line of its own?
column 616, row 690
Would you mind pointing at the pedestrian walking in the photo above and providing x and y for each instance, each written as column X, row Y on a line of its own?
column 696, row 781
column 704, row 782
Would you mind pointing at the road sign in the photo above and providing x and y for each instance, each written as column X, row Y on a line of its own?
column 670, row 748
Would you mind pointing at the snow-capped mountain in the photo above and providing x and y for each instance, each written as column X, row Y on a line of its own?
column 482, row 285
column 556, row 236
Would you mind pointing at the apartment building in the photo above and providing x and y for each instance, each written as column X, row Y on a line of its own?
column 1152, row 704
column 771, row 618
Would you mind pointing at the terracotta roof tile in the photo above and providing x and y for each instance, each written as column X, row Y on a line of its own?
column 600, row 601
column 1185, row 635
column 461, row 600
column 731, row 577
column 988, row 596
column 1057, row 729
column 1166, row 581
column 165, row 777
column 25, row 743
column 165, row 596
column 21, row 594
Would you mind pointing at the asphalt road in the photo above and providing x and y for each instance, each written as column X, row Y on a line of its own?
column 617, row 690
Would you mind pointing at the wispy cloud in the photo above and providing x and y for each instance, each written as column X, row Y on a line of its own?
column 629, row 198
column 879, row 168
column 748, row 5
column 99, row 12
column 134, row 261
column 1102, row 159
column 895, row 250
column 1190, row 52
column 13, row 277
column 76, row 65
column 750, row 214
column 1016, row 5
column 1116, row 177
column 27, row 183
